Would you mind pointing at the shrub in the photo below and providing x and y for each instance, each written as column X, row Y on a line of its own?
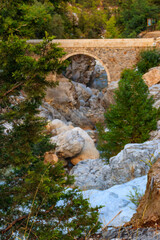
column 135, row 196
column 148, row 59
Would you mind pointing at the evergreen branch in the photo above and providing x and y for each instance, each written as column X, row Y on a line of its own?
column 50, row 209
column 30, row 230
column 29, row 215
column 13, row 223
column 13, row 88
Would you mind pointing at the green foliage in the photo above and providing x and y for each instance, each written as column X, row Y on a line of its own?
column 132, row 116
column 30, row 19
column 158, row 25
column 35, row 200
column 86, row 22
column 76, row 18
column 148, row 59
column 35, row 19
column 135, row 196
column 92, row 4
column 92, row 24
column 133, row 16
column 56, row 26
column 111, row 28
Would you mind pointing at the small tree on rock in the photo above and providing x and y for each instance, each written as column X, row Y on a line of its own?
column 131, row 118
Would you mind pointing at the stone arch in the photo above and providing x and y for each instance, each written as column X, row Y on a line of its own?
column 68, row 55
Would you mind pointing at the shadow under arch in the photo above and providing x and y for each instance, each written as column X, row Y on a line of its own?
column 90, row 55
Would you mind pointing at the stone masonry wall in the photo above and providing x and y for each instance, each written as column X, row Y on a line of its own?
column 113, row 59
column 114, row 54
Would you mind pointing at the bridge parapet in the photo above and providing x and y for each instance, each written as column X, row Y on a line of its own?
column 102, row 43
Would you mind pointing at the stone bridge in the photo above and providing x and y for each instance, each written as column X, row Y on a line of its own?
column 114, row 54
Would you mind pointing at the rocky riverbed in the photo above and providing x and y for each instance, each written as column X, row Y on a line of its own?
column 72, row 110
column 86, row 70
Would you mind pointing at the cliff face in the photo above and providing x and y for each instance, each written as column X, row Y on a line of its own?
column 148, row 211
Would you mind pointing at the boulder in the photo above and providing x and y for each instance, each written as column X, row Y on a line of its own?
column 157, row 104
column 60, row 130
column 70, row 101
column 48, row 112
column 132, row 162
column 83, row 92
column 152, row 76
column 75, row 102
column 92, row 134
column 155, row 135
column 148, row 211
column 68, row 144
column 108, row 97
column 80, row 118
column 87, row 70
column 91, row 174
column 62, row 95
column 56, row 123
column 50, row 157
column 94, row 101
column 89, row 150
column 56, row 127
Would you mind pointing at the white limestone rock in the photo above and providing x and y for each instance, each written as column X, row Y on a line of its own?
column 60, row 130
column 116, row 199
column 68, row 144
column 155, row 134
column 130, row 163
column 157, row 104
column 91, row 174
column 89, row 150
column 56, row 123
column 155, row 91
column 56, row 127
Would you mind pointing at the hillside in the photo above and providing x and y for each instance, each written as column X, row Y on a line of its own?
column 78, row 18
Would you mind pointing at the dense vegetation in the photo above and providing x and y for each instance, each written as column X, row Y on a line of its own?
column 35, row 201
column 77, row 18
column 131, row 118
column 148, row 59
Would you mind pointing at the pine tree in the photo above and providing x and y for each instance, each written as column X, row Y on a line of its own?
column 35, row 201
column 132, row 116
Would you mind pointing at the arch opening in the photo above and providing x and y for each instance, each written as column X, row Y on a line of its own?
column 87, row 69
